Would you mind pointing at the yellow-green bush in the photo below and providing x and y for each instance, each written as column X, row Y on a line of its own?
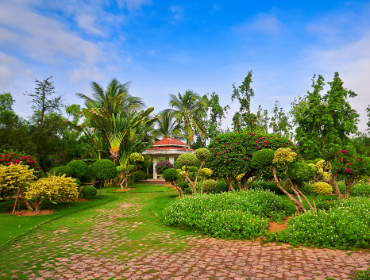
column 321, row 188
column 206, row 172
column 51, row 188
column 322, row 164
column 284, row 156
column 326, row 176
column 136, row 157
column 14, row 176
column 209, row 185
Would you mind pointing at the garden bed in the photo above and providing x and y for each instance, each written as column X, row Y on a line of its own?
column 31, row 213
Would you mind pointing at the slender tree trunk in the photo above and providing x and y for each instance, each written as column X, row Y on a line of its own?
column 229, row 183
column 313, row 201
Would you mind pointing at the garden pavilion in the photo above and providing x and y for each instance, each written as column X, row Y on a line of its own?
column 168, row 148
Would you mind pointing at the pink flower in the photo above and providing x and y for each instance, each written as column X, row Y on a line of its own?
column 259, row 147
column 246, row 158
column 349, row 170
column 256, row 141
column 219, row 153
column 344, row 151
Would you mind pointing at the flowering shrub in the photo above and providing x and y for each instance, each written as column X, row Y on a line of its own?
column 234, row 215
column 206, row 172
column 14, row 158
column 344, row 226
column 232, row 152
column 162, row 166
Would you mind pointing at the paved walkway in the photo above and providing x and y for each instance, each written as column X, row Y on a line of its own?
column 105, row 250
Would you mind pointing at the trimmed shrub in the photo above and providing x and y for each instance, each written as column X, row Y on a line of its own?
column 79, row 169
column 187, row 159
column 321, row 188
column 183, row 185
column 202, row 153
column 104, row 169
column 136, row 157
column 206, row 172
column 193, row 169
column 209, row 185
column 346, row 225
column 14, row 176
column 226, row 215
column 61, row 170
column 170, row 175
column 138, row 176
column 77, row 181
column 89, row 191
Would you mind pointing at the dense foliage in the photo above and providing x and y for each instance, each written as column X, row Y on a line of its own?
column 235, row 215
column 232, row 152
column 104, row 170
column 346, row 225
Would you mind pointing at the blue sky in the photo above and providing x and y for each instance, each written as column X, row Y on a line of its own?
column 166, row 47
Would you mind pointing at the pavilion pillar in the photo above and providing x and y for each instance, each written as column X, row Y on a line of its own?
column 155, row 161
column 171, row 159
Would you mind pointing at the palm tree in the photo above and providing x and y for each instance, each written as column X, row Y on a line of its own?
column 168, row 127
column 188, row 110
column 114, row 99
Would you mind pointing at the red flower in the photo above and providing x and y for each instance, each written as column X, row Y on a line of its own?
column 23, row 158
column 344, row 151
column 349, row 170
column 350, row 163
column 7, row 159
column 16, row 161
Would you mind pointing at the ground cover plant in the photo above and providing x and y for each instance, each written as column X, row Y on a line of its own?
column 237, row 215
column 345, row 225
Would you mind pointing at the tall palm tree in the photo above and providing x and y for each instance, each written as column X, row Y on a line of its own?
column 114, row 99
column 167, row 126
column 188, row 109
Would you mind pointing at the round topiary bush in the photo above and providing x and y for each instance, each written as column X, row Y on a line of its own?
column 136, row 157
column 89, row 191
column 170, row 175
column 79, row 168
column 206, row 172
column 61, row 170
column 77, row 181
column 262, row 159
column 183, row 185
column 209, row 185
column 104, row 169
column 193, row 169
column 202, row 154
column 120, row 169
column 284, row 156
column 321, row 188
column 187, row 159
column 300, row 172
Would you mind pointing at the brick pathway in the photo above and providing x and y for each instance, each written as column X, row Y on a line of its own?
column 105, row 251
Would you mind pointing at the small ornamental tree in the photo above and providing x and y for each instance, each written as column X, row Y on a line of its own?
column 51, row 188
column 320, row 188
column 171, row 176
column 13, row 182
column 162, row 166
column 205, row 172
column 209, row 185
column 188, row 160
column 104, row 170
column 350, row 165
column 296, row 172
column 126, row 172
column 232, row 152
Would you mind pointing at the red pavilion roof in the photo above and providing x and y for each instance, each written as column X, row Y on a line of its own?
column 171, row 143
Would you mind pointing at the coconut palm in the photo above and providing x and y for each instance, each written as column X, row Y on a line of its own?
column 114, row 99
column 167, row 126
column 188, row 109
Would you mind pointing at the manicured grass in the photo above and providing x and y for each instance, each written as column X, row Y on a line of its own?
column 13, row 226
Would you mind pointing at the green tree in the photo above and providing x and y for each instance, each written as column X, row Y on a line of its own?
column 188, row 109
column 6, row 102
column 167, row 126
column 45, row 101
column 279, row 122
column 323, row 119
column 216, row 113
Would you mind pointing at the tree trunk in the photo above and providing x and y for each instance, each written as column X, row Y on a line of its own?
column 349, row 185
column 229, row 183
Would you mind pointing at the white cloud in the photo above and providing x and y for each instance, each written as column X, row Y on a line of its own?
column 264, row 23
column 87, row 23
column 132, row 4
column 44, row 39
column 86, row 72
column 152, row 53
column 178, row 12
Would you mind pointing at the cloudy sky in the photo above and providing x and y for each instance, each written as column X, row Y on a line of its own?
column 166, row 47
